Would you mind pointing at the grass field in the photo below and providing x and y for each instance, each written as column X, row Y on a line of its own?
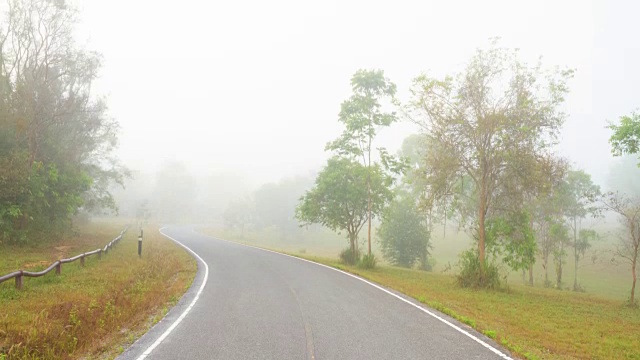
column 598, row 278
column 533, row 322
column 95, row 311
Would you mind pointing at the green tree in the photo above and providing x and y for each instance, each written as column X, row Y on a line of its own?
column 57, row 139
column 585, row 238
column 414, row 151
column 512, row 238
column 362, row 116
column 403, row 233
column 580, row 196
column 494, row 124
column 628, row 210
column 339, row 199
column 547, row 215
column 626, row 135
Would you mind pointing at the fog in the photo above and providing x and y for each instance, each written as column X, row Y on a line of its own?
column 255, row 87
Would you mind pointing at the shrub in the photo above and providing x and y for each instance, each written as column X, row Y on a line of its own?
column 404, row 235
column 368, row 261
column 470, row 275
column 348, row 257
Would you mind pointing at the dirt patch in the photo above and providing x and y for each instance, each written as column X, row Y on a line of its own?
column 35, row 264
column 63, row 250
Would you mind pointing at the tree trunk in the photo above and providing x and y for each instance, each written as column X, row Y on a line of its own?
column 546, row 273
column 353, row 246
column 633, row 286
column 575, row 254
column 369, row 233
column 559, row 273
column 481, row 235
column 369, row 184
column 633, row 269
column 531, row 275
column 575, row 278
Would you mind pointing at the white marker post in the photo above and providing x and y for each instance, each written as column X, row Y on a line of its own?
column 140, row 244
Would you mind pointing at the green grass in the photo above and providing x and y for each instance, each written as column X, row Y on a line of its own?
column 94, row 310
column 532, row 322
column 600, row 278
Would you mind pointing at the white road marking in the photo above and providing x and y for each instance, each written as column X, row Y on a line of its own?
column 186, row 311
column 459, row 329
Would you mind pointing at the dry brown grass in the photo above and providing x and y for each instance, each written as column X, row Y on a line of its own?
column 92, row 311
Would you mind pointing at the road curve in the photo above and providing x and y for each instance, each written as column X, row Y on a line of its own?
column 256, row 304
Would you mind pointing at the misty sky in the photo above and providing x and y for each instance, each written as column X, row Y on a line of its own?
column 256, row 86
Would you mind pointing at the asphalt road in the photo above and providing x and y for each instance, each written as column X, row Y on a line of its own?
column 255, row 304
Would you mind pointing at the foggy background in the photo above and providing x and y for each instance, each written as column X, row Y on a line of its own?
column 248, row 92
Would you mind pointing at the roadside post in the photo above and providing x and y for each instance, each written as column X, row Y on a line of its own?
column 140, row 244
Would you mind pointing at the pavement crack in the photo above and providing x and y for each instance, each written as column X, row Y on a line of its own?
column 308, row 333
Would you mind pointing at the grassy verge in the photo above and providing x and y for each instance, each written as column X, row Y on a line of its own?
column 95, row 311
column 534, row 323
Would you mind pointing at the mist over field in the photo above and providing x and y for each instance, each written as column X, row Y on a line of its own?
column 247, row 93
column 433, row 148
column 254, row 89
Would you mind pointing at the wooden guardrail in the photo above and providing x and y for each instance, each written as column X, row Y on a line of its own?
column 57, row 265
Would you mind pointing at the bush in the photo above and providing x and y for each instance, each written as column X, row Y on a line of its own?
column 368, row 261
column 470, row 275
column 404, row 235
column 348, row 257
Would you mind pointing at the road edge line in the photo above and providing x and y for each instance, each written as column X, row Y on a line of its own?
column 421, row 308
column 166, row 333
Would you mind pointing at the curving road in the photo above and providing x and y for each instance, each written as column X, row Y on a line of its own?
column 256, row 304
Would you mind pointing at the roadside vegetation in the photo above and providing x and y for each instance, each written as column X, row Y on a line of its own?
column 94, row 311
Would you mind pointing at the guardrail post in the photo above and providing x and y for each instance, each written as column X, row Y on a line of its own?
column 19, row 281
column 100, row 254
column 140, row 244
column 82, row 260
column 58, row 268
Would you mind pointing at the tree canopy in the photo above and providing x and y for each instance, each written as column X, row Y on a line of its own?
column 56, row 139
column 339, row 198
column 490, row 130
column 626, row 135
column 362, row 115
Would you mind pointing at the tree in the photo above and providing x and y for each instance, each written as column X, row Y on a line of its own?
column 339, row 199
column 547, row 216
column 275, row 203
column 239, row 214
column 585, row 238
column 580, row 195
column 403, row 233
column 560, row 238
column 57, row 140
column 513, row 234
column 494, row 124
column 628, row 210
column 362, row 116
column 626, row 136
